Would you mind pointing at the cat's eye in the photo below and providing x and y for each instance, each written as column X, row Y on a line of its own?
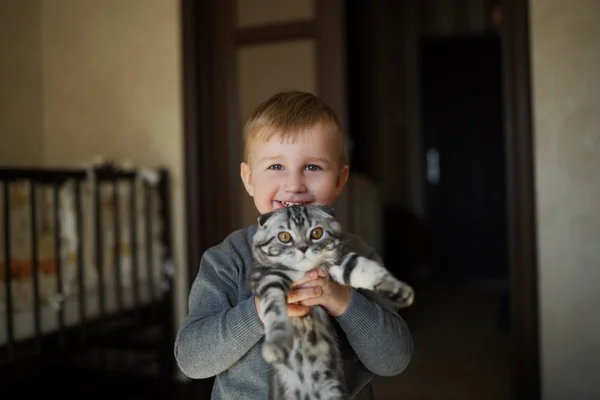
column 316, row 233
column 284, row 237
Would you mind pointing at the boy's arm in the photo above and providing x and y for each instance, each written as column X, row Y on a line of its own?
column 216, row 334
column 378, row 335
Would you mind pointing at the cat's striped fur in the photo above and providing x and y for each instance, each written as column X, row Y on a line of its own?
column 303, row 351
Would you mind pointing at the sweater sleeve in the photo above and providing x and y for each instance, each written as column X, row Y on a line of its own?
column 378, row 335
column 218, row 330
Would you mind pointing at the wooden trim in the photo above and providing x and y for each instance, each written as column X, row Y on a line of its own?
column 521, row 203
column 208, row 216
column 331, row 57
column 276, row 32
column 226, row 117
column 205, row 77
column 191, row 81
column 218, row 95
column 331, row 80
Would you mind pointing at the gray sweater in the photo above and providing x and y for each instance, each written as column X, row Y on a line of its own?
column 221, row 335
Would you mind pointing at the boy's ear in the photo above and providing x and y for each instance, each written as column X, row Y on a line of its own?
column 246, row 175
column 342, row 179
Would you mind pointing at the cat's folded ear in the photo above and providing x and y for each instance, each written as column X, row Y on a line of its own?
column 327, row 210
column 263, row 218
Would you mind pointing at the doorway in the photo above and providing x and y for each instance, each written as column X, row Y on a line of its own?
column 452, row 95
column 464, row 159
column 461, row 322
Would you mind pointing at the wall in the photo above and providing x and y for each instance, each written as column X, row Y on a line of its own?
column 289, row 65
column 566, row 102
column 88, row 78
column 20, row 83
column 265, row 68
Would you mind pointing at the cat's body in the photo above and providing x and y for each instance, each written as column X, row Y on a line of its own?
column 303, row 351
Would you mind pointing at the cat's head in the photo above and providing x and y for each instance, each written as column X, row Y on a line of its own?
column 298, row 236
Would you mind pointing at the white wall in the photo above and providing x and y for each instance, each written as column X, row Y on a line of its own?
column 566, row 103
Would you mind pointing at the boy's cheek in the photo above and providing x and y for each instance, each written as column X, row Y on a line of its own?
column 327, row 199
column 325, row 184
column 265, row 179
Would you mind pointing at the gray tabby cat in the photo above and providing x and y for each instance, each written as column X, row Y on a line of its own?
column 303, row 351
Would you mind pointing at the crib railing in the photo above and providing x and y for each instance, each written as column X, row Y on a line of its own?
column 156, row 309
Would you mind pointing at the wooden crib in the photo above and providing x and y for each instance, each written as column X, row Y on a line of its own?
column 85, row 271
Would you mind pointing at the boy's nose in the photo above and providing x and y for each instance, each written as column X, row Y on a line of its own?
column 295, row 184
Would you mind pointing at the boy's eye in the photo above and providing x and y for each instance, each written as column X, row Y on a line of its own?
column 276, row 167
column 313, row 167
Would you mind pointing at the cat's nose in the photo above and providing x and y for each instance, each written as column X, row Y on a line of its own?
column 303, row 248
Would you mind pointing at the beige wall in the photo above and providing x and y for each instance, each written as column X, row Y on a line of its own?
column 93, row 78
column 566, row 98
column 20, row 83
column 263, row 70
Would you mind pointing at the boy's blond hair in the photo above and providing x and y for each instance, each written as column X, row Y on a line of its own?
column 290, row 114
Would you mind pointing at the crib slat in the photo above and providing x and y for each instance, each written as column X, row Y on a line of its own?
column 148, row 229
column 36, row 266
column 167, row 363
column 133, row 240
column 117, row 244
column 57, row 254
column 80, row 270
column 99, row 249
column 7, row 275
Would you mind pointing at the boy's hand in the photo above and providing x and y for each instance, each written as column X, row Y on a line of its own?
column 335, row 298
column 297, row 295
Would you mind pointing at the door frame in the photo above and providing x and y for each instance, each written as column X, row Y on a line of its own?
column 205, row 113
column 210, row 115
column 521, row 201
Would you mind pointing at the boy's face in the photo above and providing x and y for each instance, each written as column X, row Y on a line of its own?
column 281, row 173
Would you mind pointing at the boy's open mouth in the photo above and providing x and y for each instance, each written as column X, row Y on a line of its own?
column 292, row 203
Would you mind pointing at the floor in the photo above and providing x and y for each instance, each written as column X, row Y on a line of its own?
column 460, row 354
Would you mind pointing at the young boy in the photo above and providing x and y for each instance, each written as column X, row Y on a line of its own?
column 295, row 153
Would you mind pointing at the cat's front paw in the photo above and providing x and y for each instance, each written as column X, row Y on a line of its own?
column 401, row 294
column 277, row 351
